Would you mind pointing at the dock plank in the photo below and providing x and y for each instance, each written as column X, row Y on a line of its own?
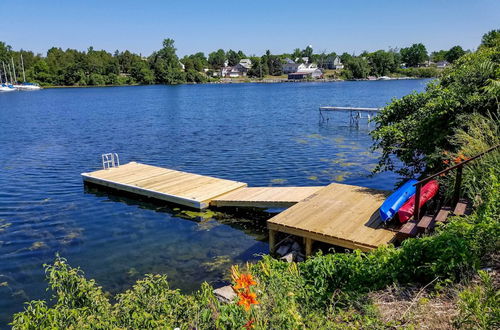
column 265, row 196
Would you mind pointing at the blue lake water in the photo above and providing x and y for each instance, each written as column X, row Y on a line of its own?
column 262, row 134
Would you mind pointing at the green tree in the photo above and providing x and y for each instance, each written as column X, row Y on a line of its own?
column 259, row 68
column 297, row 54
column 414, row 55
column 166, row 65
column 438, row 56
column 454, row 54
column 345, row 57
column 141, row 73
column 382, row 63
column 217, row 59
column 359, row 67
column 307, row 52
column 233, row 57
column 491, row 39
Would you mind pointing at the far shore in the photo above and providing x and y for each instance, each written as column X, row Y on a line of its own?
column 247, row 81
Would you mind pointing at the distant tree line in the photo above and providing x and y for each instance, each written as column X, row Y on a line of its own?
column 72, row 67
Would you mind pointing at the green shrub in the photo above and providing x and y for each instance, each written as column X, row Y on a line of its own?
column 480, row 305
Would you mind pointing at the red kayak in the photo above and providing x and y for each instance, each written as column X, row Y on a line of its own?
column 428, row 191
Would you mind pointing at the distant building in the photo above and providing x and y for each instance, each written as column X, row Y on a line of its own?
column 334, row 63
column 183, row 67
column 316, row 74
column 337, row 63
column 442, row 64
column 298, row 67
column 288, row 61
column 246, row 63
column 239, row 70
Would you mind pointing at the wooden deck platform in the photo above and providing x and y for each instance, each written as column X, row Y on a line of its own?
column 265, row 196
column 338, row 214
column 173, row 186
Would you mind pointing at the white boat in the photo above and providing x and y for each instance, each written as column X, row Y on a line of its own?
column 384, row 78
column 6, row 88
column 26, row 86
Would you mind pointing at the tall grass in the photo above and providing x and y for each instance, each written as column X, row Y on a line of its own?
column 478, row 133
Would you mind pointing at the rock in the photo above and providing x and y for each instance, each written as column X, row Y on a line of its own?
column 225, row 294
column 283, row 249
column 288, row 257
column 296, row 247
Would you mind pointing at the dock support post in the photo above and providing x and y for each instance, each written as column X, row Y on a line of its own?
column 308, row 242
column 272, row 240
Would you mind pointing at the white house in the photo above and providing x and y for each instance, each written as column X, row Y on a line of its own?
column 299, row 67
column 316, row 73
column 239, row 70
column 337, row 63
column 246, row 63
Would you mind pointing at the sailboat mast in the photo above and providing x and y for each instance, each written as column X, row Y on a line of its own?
column 14, row 69
column 22, row 65
column 10, row 73
column 5, row 72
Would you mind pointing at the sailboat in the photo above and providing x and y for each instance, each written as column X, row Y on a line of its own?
column 26, row 86
column 5, row 87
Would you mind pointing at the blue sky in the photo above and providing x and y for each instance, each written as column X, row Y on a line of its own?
column 252, row 26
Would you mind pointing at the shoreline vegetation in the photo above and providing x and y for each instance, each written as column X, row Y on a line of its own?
column 447, row 279
column 244, row 81
column 74, row 68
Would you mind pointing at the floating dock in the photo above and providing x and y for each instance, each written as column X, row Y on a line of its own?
column 337, row 214
column 173, row 186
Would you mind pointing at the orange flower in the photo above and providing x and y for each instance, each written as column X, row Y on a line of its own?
column 247, row 298
column 446, row 161
column 244, row 281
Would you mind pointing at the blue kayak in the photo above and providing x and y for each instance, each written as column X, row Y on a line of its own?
column 394, row 202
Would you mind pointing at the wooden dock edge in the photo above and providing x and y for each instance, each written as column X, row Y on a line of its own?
column 311, row 236
column 146, row 192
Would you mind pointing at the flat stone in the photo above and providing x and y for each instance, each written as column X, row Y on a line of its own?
column 225, row 294
column 288, row 257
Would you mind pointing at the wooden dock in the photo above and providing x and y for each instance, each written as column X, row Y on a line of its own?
column 338, row 214
column 173, row 186
column 265, row 196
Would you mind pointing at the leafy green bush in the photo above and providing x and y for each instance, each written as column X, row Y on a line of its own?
column 417, row 128
column 480, row 305
column 428, row 72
